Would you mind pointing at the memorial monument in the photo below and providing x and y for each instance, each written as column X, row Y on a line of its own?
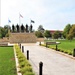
column 22, row 34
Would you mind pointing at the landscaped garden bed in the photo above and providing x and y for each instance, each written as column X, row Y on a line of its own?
column 24, row 65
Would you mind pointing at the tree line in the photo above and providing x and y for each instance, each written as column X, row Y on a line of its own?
column 67, row 33
column 4, row 31
column 41, row 32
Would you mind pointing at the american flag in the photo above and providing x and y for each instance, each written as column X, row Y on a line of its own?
column 21, row 16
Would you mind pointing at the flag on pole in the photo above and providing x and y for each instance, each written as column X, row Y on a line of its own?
column 32, row 21
column 9, row 21
column 21, row 16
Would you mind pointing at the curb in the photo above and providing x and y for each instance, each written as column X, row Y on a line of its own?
column 17, row 64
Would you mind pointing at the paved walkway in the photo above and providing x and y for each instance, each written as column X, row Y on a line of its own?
column 53, row 62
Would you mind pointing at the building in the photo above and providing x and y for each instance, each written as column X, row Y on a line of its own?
column 52, row 31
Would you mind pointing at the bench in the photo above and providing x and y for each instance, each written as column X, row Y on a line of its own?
column 3, row 44
column 52, row 43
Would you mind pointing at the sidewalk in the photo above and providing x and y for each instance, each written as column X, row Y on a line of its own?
column 53, row 63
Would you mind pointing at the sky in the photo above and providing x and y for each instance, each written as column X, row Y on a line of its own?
column 51, row 14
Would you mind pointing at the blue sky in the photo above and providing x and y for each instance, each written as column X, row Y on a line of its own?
column 52, row 14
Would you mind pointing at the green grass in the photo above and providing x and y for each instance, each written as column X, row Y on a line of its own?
column 7, row 61
column 66, row 46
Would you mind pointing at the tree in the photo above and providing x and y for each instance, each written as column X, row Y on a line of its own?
column 57, row 35
column 7, row 27
column 69, row 36
column 41, row 29
column 3, row 32
column 7, row 35
column 66, row 30
column 72, row 30
column 0, row 35
column 47, row 34
column 38, row 34
column 0, row 32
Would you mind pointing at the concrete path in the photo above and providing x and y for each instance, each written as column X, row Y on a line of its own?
column 53, row 62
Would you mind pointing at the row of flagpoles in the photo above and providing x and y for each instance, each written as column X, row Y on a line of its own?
column 20, row 16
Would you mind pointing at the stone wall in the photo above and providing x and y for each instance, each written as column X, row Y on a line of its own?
column 22, row 38
column 4, row 41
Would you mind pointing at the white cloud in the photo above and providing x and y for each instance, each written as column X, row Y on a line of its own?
column 52, row 14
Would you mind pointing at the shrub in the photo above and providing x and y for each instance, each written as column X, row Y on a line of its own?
column 29, row 73
column 26, row 69
column 24, row 64
column 65, row 51
column 69, row 52
column 61, row 50
column 21, row 59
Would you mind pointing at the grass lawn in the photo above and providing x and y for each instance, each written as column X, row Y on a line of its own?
column 7, row 61
column 65, row 46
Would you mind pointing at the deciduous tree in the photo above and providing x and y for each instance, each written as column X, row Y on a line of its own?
column 56, row 35
column 47, row 34
column 41, row 29
column 66, row 30
column 38, row 34
column 72, row 30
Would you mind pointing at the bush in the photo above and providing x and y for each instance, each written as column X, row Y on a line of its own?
column 21, row 59
column 69, row 52
column 24, row 64
column 65, row 51
column 26, row 69
column 61, row 50
column 29, row 73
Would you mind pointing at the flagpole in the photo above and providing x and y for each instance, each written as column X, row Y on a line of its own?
column 19, row 19
column 8, row 25
column 30, row 24
column 20, row 16
column 19, row 23
column 30, row 21
column 8, row 21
